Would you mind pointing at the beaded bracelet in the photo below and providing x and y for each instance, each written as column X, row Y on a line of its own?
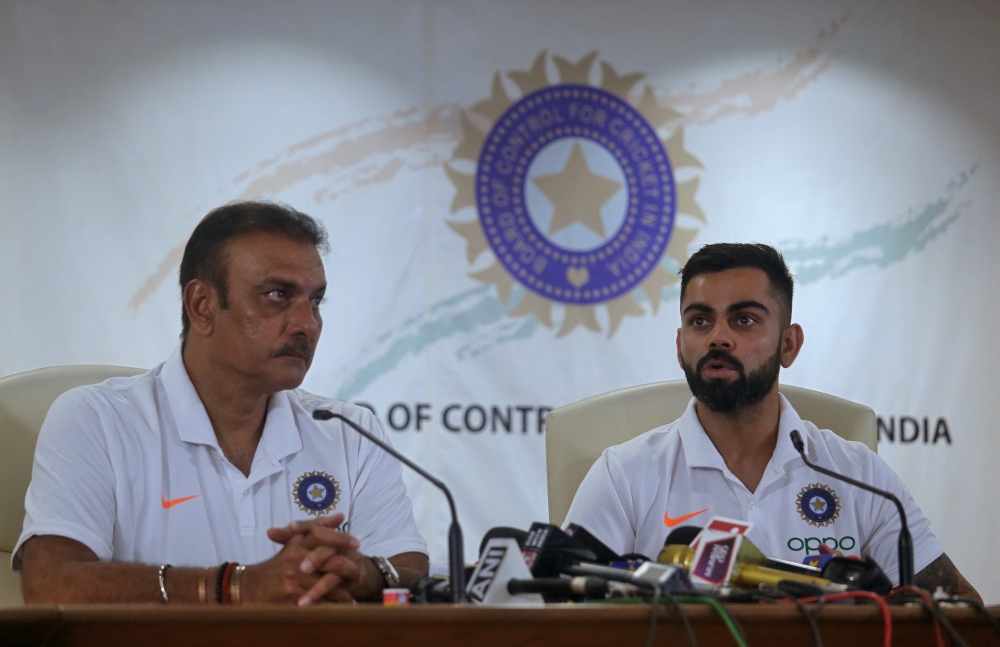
column 218, row 581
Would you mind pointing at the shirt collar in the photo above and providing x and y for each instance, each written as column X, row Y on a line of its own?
column 280, row 438
column 700, row 451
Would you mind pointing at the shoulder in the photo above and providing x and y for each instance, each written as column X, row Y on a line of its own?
column 305, row 404
column 849, row 456
column 654, row 446
column 113, row 398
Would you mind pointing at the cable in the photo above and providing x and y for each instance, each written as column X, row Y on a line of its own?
column 978, row 607
column 766, row 591
column 857, row 595
column 684, row 619
column 654, row 612
column 730, row 622
column 908, row 591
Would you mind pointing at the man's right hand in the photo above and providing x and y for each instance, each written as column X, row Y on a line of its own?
column 281, row 580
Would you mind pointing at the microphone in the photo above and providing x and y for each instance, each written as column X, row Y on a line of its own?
column 456, row 557
column 499, row 563
column 587, row 540
column 502, row 532
column 904, row 545
column 548, row 551
column 591, row 587
column 743, row 574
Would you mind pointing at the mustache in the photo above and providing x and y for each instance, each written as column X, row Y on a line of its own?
column 718, row 354
column 296, row 348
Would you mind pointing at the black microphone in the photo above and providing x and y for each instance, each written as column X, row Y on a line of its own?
column 588, row 540
column 456, row 557
column 560, row 586
column 682, row 535
column 905, row 543
column 504, row 532
column 548, row 550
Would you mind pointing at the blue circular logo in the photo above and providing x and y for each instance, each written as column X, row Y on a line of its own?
column 316, row 492
column 818, row 505
column 620, row 260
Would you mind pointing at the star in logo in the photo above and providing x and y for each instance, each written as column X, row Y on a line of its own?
column 818, row 504
column 317, row 493
column 577, row 194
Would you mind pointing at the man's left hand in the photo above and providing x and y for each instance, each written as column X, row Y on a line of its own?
column 335, row 555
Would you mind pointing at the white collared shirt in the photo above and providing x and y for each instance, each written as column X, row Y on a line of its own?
column 132, row 469
column 637, row 492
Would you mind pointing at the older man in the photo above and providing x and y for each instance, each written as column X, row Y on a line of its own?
column 730, row 454
column 207, row 479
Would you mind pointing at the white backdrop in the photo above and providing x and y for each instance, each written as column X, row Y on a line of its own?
column 861, row 138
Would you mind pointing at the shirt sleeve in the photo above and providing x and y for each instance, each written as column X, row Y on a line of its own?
column 72, row 489
column 881, row 544
column 382, row 514
column 603, row 503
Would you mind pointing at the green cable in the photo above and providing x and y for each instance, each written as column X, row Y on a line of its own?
column 721, row 610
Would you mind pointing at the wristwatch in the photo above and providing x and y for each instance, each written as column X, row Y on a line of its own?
column 389, row 573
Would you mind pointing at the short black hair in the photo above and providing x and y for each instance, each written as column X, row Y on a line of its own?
column 204, row 254
column 719, row 257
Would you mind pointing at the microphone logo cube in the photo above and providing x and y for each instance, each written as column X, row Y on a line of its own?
column 714, row 560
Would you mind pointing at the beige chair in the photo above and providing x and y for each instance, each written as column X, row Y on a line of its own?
column 25, row 399
column 576, row 434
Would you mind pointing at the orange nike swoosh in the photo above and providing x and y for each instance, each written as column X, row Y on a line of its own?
column 673, row 522
column 172, row 503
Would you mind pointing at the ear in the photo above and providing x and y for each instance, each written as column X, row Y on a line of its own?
column 792, row 339
column 200, row 302
column 680, row 362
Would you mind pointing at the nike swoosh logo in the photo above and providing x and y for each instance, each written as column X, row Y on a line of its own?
column 673, row 522
column 173, row 502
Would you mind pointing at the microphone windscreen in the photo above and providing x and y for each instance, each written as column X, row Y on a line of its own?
column 682, row 535
column 503, row 532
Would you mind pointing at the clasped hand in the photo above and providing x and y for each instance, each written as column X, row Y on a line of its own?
column 316, row 562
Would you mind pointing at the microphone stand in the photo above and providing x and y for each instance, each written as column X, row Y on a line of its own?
column 456, row 547
column 905, row 543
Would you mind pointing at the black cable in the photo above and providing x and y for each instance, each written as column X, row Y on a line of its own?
column 684, row 618
column 978, row 607
column 904, row 597
column 767, row 591
column 654, row 610
column 658, row 591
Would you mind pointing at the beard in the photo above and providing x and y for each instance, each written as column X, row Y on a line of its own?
column 721, row 396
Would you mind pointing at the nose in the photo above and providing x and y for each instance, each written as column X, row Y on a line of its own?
column 305, row 318
column 721, row 337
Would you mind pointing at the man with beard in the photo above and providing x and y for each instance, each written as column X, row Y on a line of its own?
column 729, row 454
column 212, row 460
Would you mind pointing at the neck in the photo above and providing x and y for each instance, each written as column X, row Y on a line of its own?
column 235, row 408
column 745, row 439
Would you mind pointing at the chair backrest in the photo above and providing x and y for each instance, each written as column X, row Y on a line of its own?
column 577, row 433
column 25, row 399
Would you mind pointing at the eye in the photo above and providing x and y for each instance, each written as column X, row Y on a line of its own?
column 745, row 320
column 318, row 301
column 277, row 294
column 698, row 320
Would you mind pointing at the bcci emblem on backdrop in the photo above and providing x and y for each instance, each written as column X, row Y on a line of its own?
column 819, row 505
column 316, row 493
column 575, row 193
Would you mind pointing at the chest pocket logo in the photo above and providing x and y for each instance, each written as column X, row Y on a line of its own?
column 819, row 505
column 316, row 493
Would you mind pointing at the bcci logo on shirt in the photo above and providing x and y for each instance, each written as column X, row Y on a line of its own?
column 819, row 505
column 316, row 493
column 575, row 191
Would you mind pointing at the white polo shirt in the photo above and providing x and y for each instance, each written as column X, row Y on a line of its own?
column 637, row 492
column 132, row 469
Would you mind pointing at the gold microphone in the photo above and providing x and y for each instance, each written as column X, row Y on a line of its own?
column 745, row 574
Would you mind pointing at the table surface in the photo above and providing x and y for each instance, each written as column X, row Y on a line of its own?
column 440, row 625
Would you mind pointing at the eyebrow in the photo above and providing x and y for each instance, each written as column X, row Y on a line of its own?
column 743, row 305
column 287, row 285
column 739, row 305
